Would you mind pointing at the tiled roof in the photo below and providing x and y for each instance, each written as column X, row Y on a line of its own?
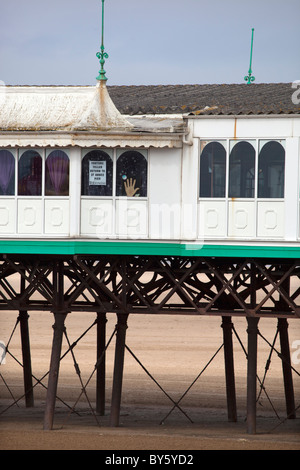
column 231, row 99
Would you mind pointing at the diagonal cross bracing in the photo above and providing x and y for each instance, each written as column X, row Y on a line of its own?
column 152, row 284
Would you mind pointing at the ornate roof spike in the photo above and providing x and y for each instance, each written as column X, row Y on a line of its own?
column 249, row 78
column 102, row 55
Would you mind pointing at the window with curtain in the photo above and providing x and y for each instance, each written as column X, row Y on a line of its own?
column 30, row 174
column 213, row 170
column 271, row 164
column 131, row 177
column 96, row 174
column 7, row 173
column 242, row 171
column 57, row 174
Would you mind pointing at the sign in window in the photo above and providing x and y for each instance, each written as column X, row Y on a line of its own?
column 97, row 173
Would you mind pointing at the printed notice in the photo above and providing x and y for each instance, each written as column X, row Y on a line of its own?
column 97, row 173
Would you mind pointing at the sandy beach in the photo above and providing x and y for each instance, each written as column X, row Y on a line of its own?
column 174, row 350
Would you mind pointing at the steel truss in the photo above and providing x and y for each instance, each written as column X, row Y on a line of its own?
column 252, row 288
column 151, row 284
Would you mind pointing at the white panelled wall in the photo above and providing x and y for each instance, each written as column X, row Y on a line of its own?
column 172, row 206
column 255, row 218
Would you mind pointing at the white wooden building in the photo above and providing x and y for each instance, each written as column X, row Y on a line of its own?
column 193, row 165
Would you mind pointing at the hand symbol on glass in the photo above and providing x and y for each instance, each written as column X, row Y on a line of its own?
column 130, row 187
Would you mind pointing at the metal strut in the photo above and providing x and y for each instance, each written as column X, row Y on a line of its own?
column 176, row 404
column 194, row 381
column 83, row 387
column 100, row 360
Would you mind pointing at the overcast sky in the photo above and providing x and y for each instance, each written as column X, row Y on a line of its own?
column 148, row 41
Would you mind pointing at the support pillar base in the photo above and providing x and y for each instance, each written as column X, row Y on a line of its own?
column 251, row 374
column 229, row 369
column 100, row 379
column 59, row 328
column 27, row 370
column 118, row 370
column 286, row 368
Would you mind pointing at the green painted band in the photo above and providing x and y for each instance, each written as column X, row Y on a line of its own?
column 78, row 247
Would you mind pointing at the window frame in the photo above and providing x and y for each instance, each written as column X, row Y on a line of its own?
column 144, row 153
column 222, row 143
column 114, row 153
column 233, row 145
column 262, row 145
column 84, row 154
column 48, row 153
column 44, row 153
column 258, row 144
column 14, row 153
column 20, row 156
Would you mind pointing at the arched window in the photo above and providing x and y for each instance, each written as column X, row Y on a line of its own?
column 213, row 170
column 7, row 173
column 96, row 174
column 271, row 170
column 57, row 174
column 242, row 170
column 30, row 174
column 131, row 174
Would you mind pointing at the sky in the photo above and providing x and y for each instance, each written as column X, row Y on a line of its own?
column 149, row 42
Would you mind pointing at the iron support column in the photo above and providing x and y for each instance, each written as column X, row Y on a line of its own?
column 229, row 369
column 59, row 328
column 100, row 378
column 251, row 374
column 27, row 371
column 286, row 368
column 118, row 369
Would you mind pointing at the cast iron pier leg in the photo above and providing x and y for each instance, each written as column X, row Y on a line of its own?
column 229, row 369
column 27, row 371
column 118, row 370
column 286, row 368
column 25, row 342
column 251, row 374
column 58, row 327
column 100, row 380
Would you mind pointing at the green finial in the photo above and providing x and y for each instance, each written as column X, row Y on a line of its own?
column 102, row 55
column 248, row 78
